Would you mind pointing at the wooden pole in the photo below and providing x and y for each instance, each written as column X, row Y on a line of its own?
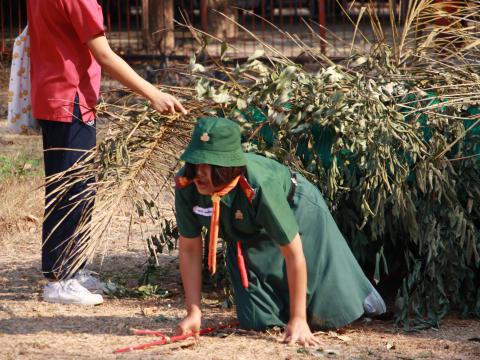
column 322, row 22
column 204, row 15
column 145, row 25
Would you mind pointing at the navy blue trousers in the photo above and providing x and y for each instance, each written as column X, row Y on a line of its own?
column 58, row 135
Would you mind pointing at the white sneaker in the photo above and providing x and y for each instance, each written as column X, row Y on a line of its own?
column 87, row 280
column 69, row 292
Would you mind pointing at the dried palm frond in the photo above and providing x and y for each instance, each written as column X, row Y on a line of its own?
column 132, row 167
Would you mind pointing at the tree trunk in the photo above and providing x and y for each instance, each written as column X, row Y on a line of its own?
column 218, row 25
column 158, row 28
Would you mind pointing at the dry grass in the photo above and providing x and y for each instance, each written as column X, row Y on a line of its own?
column 21, row 209
column 31, row 329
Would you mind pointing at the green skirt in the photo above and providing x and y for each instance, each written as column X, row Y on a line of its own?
column 336, row 285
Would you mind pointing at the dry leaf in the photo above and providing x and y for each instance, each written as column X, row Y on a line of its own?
column 150, row 311
column 32, row 218
column 344, row 338
column 334, row 334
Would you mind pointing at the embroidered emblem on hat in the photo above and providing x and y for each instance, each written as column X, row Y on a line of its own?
column 238, row 215
column 205, row 137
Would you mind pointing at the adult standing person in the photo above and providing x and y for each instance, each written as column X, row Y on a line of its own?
column 288, row 262
column 68, row 49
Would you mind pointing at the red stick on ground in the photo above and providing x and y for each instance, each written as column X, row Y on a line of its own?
column 167, row 340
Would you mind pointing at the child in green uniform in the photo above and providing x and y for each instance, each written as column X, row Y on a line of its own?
column 288, row 262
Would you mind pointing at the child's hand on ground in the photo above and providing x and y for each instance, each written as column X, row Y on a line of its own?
column 298, row 332
column 166, row 104
column 190, row 323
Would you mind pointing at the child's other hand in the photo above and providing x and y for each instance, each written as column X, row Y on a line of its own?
column 298, row 332
column 166, row 104
column 190, row 323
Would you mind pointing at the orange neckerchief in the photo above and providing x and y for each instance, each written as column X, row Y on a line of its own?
column 182, row 182
column 214, row 224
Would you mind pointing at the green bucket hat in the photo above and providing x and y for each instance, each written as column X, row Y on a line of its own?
column 215, row 141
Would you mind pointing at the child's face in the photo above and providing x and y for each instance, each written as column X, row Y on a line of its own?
column 203, row 179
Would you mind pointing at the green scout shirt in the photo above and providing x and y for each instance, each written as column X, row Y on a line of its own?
column 269, row 213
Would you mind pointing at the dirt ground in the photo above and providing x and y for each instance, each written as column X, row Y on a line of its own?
column 32, row 329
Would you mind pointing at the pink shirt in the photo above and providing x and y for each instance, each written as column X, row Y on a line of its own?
column 61, row 63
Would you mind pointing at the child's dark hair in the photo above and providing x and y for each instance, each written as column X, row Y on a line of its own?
column 221, row 175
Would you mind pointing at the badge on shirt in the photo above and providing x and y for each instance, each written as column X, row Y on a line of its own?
column 238, row 215
column 202, row 211
column 205, row 137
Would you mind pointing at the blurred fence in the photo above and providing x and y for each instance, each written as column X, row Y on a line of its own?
column 324, row 24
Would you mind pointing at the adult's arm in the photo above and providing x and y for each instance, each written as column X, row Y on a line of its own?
column 118, row 69
column 297, row 330
column 190, row 254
